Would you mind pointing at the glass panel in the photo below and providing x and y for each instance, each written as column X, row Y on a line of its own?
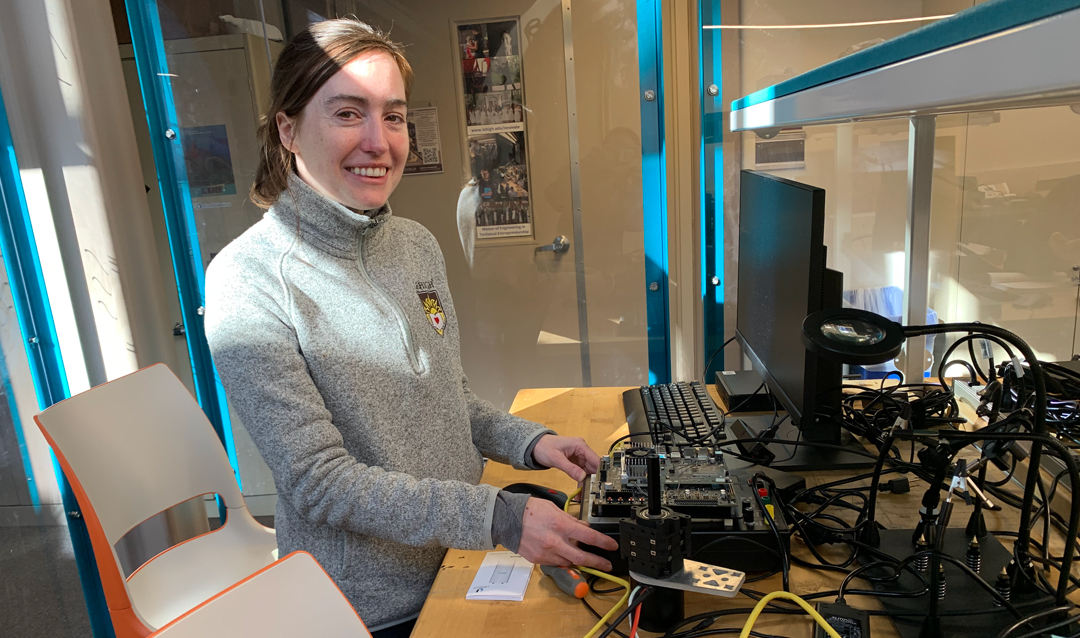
column 43, row 593
column 493, row 76
column 1007, row 226
column 861, row 166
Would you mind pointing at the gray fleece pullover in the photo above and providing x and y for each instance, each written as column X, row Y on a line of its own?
column 337, row 342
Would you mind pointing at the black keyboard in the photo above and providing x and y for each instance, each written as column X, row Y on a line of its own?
column 673, row 414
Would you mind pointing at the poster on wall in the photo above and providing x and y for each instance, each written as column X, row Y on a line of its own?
column 425, row 150
column 491, row 82
column 208, row 161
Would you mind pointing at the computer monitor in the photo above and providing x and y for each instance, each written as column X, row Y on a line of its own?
column 782, row 279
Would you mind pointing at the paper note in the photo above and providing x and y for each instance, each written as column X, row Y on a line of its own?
column 502, row 576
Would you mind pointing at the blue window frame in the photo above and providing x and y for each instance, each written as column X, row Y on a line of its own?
column 36, row 325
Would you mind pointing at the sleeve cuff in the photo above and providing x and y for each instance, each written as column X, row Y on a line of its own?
column 489, row 515
column 527, row 458
column 506, row 523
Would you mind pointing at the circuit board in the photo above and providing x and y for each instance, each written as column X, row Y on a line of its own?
column 696, row 482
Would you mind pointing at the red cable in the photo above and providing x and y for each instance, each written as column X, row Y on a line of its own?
column 637, row 616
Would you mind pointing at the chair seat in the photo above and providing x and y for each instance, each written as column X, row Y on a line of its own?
column 189, row 573
column 293, row 598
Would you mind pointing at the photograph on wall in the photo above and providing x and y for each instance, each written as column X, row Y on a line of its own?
column 499, row 167
column 493, row 90
column 208, row 161
column 425, row 149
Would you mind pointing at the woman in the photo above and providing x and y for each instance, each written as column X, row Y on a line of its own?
column 336, row 339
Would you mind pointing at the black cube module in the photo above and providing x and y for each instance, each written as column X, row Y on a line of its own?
column 655, row 545
column 655, row 539
column 739, row 391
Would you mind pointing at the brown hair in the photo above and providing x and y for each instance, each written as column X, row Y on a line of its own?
column 305, row 64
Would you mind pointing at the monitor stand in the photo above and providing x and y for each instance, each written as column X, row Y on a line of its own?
column 806, row 457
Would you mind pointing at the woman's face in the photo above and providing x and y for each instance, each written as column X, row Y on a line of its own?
column 351, row 141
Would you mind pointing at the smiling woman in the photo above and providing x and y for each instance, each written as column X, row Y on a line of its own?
column 335, row 335
column 350, row 141
column 307, row 85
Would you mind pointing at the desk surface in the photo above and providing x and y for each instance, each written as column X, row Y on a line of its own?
column 595, row 414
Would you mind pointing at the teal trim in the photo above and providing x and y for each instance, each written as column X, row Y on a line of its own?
column 977, row 22
column 156, row 85
column 654, row 189
column 712, row 187
column 31, row 301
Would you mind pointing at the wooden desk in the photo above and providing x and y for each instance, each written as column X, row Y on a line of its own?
column 595, row 413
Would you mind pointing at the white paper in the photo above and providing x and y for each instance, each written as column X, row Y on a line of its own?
column 502, row 576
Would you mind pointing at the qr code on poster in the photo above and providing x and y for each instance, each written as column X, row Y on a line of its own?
column 431, row 155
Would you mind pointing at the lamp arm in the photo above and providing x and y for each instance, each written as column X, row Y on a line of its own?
column 1074, row 475
column 1039, row 426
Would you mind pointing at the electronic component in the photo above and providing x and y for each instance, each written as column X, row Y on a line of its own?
column 740, row 390
column 847, row 621
column 755, row 450
column 654, row 540
column 694, row 481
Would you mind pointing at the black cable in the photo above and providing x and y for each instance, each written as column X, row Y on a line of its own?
column 730, row 630
column 598, row 616
column 592, row 580
column 713, row 356
column 642, row 595
column 772, row 524
column 1042, row 631
column 621, row 439
column 824, row 446
column 722, row 539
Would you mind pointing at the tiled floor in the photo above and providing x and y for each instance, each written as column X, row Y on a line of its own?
column 40, row 594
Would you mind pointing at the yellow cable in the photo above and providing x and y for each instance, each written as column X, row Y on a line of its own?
column 569, row 499
column 802, row 603
column 615, row 609
column 615, row 579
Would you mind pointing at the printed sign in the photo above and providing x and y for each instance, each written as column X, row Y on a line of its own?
column 493, row 89
column 425, row 150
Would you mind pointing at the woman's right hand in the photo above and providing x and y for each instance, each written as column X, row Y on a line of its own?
column 548, row 535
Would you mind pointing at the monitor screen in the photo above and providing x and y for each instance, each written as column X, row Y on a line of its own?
column 781, row 280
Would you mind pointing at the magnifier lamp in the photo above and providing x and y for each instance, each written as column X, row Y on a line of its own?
column 853, row 336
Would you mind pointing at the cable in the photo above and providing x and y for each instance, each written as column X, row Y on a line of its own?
column 788, row 595
column 645, row 593
column 1042, row 631
column 637, row 613
column 592, row 585
column 713, row 356
column 614, row 609
column 772, row 524
column 615, row 579
column 570, row 499
column 1033, row 617
column 598, row 616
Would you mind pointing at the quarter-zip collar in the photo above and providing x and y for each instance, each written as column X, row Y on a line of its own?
column 324, row 222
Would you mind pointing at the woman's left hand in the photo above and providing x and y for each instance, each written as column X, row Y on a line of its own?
column 567, row 453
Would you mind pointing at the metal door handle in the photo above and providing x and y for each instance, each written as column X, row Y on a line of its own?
column 559, row 245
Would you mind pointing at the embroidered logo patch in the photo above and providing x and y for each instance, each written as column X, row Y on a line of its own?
column 432, row 306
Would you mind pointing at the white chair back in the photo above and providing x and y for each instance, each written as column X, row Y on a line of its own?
column 139, row 445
